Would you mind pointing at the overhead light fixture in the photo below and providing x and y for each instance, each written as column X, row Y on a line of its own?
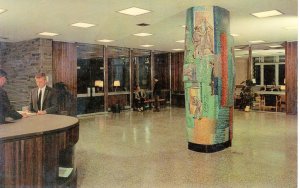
column 142, row 34
column 48, row 34
column 234, row 35
column 177, row 49
column 237, row 49
column 147, row 45
column 134, row 11
column 83, row 25
column 180, row 41
column 238, row 56
column 183, row 26
column 105, row 40
column 2, row 10
column 275, row 46
column 257, row 41
column 291, row 27
column 267, row 14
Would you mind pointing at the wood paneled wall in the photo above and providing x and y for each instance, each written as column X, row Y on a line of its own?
column 291, row 74
column 177, row 61
column 64, row 64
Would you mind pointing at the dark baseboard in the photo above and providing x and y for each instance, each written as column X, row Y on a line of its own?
column 208, row 148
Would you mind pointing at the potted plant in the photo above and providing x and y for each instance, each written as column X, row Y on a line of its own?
column 247, row 95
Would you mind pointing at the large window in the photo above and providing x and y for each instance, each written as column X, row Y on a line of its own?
column 269, row 70
column 141, row 68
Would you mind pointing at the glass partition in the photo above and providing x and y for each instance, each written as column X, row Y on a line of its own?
column 141, row 69
column 162, row 70
column 118, row 76
column 90, row 78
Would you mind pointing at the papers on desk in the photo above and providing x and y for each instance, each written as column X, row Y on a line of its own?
column 27, row 113
column 64, row 172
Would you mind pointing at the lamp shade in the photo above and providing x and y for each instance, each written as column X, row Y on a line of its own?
column 117, row 83
column 98, row 83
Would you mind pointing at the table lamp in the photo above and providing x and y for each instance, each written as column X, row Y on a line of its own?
column 99, row 83
column 117, row 84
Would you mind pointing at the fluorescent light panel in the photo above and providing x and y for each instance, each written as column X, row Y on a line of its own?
column 180, row 41
column 48, row 34
column 275, row 46
column 2, row 10
column 267, row 14
column 177, row 49
column 142, row 34
column 291, row 27
column 147, row 45
column 134, row 11
column 83, row 25
column 237, row 49
column 105, row 40
column 257, row 41
column 234, row 35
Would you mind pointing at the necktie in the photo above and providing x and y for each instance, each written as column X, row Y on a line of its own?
column 39, row 100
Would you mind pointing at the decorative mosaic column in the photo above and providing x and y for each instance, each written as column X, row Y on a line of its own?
column 208, row 79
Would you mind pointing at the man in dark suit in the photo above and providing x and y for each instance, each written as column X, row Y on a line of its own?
column 43, row 99
column 6, row 109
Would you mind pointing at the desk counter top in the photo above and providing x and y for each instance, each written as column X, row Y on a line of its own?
column 36, row 125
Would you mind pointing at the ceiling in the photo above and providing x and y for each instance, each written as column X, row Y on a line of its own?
column 23, row 20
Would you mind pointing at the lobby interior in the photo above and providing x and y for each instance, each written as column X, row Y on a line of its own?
column 101, row 64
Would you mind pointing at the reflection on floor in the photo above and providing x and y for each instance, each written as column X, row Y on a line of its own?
column 149, row 149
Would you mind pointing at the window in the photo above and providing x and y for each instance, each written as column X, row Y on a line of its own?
column 269, row 70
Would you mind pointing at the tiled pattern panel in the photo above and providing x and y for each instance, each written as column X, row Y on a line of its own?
column 149, row 149
column 208, row 75
column 22, row 60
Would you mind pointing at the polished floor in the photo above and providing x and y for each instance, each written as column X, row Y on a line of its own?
column 149, row 149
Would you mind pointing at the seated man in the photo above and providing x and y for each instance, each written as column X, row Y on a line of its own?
column 139, row 98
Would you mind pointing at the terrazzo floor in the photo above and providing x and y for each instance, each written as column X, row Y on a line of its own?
column 149, row 149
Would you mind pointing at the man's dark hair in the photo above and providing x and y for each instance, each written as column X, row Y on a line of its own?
column 3, row 73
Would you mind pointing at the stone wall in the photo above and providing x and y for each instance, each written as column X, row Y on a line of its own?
column 22, row 60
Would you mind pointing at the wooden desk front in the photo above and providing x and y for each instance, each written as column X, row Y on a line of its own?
column 32, row 149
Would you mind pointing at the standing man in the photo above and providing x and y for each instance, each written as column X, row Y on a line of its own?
column 156, row 93
column 6, row 109
column 43, row 99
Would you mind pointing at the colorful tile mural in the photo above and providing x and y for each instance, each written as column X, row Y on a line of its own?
column 208, row 78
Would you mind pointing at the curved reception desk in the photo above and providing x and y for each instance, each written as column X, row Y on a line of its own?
column 36, row 151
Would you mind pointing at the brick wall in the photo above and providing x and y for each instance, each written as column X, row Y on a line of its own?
column 22, row 60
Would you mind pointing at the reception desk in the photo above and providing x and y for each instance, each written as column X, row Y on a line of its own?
column 33, row 149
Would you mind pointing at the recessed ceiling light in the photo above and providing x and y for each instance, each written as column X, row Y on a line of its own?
column 238, row 56
column 147, row 45
column 183, row 26
column 105, row 40
column 237, row 49
column 83, row 25
column 275, row 46
column 48, row 34
column 256, row 41
column 2, row 10
column 133, row 11
column 142, row 34
column 291, row 27
column 177, row 49
column 234, row 35
column 180, row 41
column 267, row 13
